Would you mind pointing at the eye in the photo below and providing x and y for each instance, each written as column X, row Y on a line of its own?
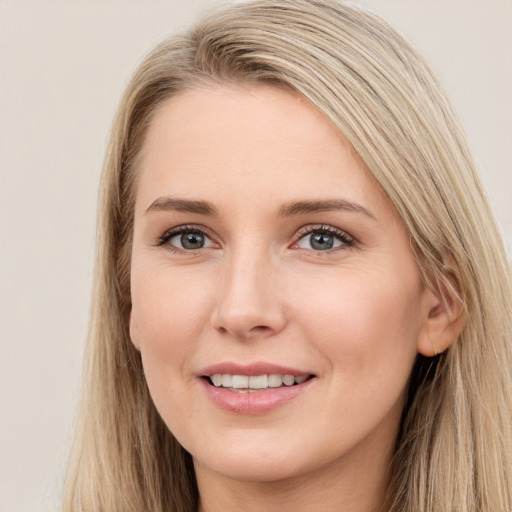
column 323, row 238
column 186, row 238
column 188, row 241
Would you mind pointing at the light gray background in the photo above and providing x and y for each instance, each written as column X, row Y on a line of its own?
column 63, row 66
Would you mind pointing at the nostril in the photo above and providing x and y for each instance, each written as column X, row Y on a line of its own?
column 258, row 331
column 260, row 328
column 240, row 333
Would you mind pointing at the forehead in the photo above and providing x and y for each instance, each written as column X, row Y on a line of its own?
column 256, row 141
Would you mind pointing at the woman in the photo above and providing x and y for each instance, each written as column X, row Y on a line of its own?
column 302, row 301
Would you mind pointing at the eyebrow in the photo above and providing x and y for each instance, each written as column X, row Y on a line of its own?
column 182, row 205
column 287, row 210
column 305, row 207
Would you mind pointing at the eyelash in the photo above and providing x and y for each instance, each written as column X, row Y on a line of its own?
column 179, row 230
column 346, row 240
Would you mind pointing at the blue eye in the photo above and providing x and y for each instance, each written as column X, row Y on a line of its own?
column 185, row 238
column 189, row 241
column 324, row 239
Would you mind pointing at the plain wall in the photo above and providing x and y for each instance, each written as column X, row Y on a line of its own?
column 63, row 66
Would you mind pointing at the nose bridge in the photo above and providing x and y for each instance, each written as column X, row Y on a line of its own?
column 248, row 301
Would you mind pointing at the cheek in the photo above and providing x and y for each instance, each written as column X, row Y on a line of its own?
column 171, row 313
column 366, row 330
column 363, row 321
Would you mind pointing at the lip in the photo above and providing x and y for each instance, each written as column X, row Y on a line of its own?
column 255, row 402
column 252, row 369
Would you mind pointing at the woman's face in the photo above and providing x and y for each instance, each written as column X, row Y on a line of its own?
column 277, row 304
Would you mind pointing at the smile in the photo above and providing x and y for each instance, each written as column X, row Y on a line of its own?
column 254, row 389
column 252, row 383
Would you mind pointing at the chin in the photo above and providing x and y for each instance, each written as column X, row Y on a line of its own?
column 252, row 468
column 259, row 459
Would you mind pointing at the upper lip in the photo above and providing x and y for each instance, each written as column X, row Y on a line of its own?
column 252, row 369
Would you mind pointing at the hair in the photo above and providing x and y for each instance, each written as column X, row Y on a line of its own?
column 454, row 448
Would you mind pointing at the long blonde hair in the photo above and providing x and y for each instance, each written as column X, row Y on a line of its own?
column 454, row 450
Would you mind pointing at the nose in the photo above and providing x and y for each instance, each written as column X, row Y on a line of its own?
column 249, row 301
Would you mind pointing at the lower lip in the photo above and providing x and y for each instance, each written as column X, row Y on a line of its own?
column 255, row 402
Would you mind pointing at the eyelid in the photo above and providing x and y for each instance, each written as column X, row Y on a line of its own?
column 347, row 239
column 163, row 239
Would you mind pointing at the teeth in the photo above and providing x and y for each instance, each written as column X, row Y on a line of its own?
column 238, row 381
column 288, row 380
column 226, row 380
column 258, row 381
column 275, row 381
column 217, row 380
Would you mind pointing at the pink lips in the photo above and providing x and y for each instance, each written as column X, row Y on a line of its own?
column 257, row 368
column 254, row 402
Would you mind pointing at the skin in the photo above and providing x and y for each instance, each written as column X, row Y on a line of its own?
column 354, row 316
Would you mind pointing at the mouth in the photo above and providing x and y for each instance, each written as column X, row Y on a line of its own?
column 257, row 388
column 253, row 383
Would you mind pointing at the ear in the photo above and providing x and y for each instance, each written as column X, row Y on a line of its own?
column 443, row 318
column 134, row 331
